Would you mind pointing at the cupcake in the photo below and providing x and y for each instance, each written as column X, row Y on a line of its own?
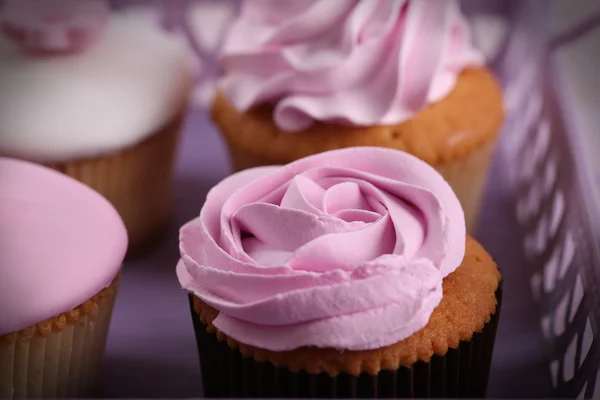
column 347, row 273
column 306, row 77
column 61, row 249
column 99, row 96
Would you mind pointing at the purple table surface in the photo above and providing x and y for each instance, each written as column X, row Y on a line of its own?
column 151, row 352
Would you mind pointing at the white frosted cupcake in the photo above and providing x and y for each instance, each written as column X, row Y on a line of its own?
column 61, row 249
column 98, row 95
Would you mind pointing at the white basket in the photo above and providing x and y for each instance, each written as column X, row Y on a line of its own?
column 557, row 212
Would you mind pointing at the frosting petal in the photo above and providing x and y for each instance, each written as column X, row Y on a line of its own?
column 344, row 249
column 353, row 62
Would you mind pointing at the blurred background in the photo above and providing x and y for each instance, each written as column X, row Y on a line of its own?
column 541, row 220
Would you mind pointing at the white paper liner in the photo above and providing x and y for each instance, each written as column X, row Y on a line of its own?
column 62, row 363
column 468, row 177
column 138, row 181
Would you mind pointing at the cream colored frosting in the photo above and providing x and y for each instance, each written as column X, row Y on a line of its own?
column 108, row 97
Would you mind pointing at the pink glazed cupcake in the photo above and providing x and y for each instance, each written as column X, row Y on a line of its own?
column 61, row 249
column 344, row 274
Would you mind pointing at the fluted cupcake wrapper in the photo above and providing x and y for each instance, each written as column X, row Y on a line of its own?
column 461, row 372
column 467, row 176
column 57, row 359
column 138, row 181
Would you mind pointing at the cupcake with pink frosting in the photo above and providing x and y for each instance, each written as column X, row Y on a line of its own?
column 99, row 95
column 303, row 77
column 61, row 249
column 343, row 274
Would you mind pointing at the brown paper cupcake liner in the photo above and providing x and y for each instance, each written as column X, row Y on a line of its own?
column 467, row 176
column 138, row 181
column 462, row 372
column 59, row 357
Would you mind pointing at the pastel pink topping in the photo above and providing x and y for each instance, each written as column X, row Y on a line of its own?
column 61, row 243
column 345, row 61
column 344, row 249
column 53, row 25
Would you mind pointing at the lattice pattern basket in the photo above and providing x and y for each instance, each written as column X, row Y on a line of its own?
column 552, row 178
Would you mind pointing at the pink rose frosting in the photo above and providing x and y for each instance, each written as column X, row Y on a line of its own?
column 53, row 25
column 344, row 249
column 345, row 61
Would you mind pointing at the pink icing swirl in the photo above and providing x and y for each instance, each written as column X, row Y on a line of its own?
column 53, row 25
column 344, row 249
column 345, row 61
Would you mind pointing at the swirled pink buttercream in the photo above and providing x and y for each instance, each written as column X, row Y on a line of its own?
column 344, row 249
column 351, row 62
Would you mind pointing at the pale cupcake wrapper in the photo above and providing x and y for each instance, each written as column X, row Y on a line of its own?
column 59, row 357
column 468, row 178
column 462, row 372
column 138, row 181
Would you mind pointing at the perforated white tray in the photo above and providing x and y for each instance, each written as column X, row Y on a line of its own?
column 551, row 149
